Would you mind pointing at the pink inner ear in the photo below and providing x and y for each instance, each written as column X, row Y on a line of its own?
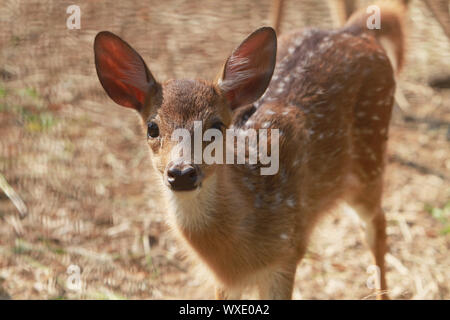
column 249, row 69
column 122, row 72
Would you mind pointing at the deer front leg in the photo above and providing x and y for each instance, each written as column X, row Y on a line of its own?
column 278, row 285
column 227, row 294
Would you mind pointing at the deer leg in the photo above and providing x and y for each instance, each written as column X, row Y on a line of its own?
column 375, row 223
column 278, row 285
column 376, row 239
column 227, row 294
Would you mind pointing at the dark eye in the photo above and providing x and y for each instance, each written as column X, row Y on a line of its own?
column 152, row 130
column 217, row 125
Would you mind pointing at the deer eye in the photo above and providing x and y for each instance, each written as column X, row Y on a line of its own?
column 217, row 125
column 152, row 130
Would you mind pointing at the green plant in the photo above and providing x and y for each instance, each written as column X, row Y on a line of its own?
column 3, row 106
column 39, row 121
column 29, row 92
column 442, row 215
column 2, row 92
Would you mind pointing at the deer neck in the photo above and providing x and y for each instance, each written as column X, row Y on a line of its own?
column 210, row 207
column 208, row 221
column 193, row 211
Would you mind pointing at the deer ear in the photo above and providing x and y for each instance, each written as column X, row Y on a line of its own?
column 248, row 70
column 122, row 71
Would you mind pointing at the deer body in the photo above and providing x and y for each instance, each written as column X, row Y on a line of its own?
column 330, row 96
column 333, row 140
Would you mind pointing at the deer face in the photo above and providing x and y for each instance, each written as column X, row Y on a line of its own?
column 188, row 109
column 178, row 111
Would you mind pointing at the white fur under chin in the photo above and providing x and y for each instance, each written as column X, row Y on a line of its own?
column 191, row 210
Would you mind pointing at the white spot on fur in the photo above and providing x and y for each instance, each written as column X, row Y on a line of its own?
column 290, row 202
column 299, row 69
column 298, row 41
column 258, row 201
column 266, row 124
column 249, row 123
column 246, row 181
column 284, row 236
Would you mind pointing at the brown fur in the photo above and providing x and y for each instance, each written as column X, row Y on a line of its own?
column 340, row 154
column 331, row 97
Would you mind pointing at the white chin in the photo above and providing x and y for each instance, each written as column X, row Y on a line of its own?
column 183, row 194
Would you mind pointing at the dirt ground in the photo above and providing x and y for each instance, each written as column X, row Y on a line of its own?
column 81, row 165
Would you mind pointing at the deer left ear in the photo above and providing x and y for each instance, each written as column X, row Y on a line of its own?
column 122, row 71
column 248, row 71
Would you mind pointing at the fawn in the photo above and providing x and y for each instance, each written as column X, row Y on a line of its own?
column 330, row 95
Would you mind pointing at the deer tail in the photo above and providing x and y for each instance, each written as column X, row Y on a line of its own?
column 390, row 32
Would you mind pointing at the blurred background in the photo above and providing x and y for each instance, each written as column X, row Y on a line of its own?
column 78, row 164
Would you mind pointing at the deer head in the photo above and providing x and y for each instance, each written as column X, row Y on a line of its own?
column 181, row 106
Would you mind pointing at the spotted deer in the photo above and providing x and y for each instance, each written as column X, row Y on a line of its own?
column 330, row 95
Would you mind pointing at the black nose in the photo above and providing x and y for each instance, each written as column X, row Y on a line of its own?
column 182, row 179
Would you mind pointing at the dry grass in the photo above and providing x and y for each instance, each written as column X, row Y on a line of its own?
column 81, row 165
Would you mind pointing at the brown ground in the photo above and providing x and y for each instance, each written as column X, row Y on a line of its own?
column 81, row 165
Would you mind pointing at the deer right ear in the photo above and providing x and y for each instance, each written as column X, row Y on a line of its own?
column 249, row 69
column 122, row 71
